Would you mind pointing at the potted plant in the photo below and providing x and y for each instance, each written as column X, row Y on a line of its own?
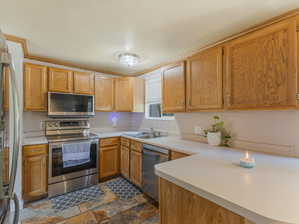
column 217, row 134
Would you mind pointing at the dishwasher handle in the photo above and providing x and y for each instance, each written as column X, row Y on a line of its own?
column 155, row 149
column 147, row 152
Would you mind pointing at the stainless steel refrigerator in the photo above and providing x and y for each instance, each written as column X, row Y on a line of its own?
column 9, row 214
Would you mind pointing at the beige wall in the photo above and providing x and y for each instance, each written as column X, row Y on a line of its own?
column 265, row 131
column 33, row 122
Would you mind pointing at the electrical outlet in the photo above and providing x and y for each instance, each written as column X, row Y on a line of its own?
column 198, row 130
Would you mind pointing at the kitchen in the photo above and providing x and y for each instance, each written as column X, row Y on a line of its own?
column 203, row 134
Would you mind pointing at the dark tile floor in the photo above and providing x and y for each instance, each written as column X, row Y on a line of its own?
column 109, row 207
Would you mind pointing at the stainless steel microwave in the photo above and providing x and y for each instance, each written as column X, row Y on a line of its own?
column 70, row 105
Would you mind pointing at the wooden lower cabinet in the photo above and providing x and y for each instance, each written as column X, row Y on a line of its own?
column 35, row 181
column 179, row 206
column 136, row 167
column 177, row 155
column 109, row 161
column 125, row 161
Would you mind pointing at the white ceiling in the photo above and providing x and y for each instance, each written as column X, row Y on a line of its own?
column 92, row 32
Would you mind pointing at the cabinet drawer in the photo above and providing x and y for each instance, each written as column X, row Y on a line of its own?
column 136, row 146
column 32, row 150
column 125, row 142
column 109, row 141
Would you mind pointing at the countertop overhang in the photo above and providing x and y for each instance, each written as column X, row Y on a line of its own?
column 266, row 194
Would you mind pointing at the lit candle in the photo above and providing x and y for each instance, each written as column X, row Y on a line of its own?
column 248, row 161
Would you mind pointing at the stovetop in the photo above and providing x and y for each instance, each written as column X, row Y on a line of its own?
column 74, row 137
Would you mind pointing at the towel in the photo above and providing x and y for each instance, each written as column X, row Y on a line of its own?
column 74, row 154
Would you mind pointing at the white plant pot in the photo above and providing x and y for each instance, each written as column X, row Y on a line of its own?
column 214, row 138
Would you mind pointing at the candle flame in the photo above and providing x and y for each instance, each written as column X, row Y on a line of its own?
column 247, row 155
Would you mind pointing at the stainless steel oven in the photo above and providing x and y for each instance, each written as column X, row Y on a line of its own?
column 61, row 178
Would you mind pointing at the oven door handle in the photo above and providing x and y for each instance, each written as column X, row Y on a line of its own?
column 59, row 144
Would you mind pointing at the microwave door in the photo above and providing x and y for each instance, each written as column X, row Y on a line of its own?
column 77, row 105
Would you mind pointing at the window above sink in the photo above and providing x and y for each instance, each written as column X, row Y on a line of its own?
column 153, row 98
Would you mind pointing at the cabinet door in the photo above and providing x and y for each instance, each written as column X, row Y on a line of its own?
column 109, row 161
column 261, row 68
column 60, row 80
column 123, row 95
column 125, row 162
column 135, row 168
column 34, row 172
column 173, row 84
column 5, row 89
column 204, row 80
column 104, row 93
column 35, row 87
column 83, row 83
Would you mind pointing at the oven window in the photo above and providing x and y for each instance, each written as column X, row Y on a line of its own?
column 57, row 162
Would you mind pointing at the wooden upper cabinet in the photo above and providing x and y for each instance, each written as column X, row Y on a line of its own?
column 123, row 95
column 129, row 95
column 6, row 89
column 35, row 172
column 83, row 83
column 60, row 80
column 173, row 88
column 104, row 93
column 261, row 68
column 204, row 80
column 35, row 87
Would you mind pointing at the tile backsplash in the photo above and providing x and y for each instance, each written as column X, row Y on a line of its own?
column 34, row 122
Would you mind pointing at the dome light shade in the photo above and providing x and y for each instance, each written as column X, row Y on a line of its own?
column 129, row 59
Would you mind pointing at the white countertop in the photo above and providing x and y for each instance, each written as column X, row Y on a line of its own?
column 35, row 140
column 268, row 193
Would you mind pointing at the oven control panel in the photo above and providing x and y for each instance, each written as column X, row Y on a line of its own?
column 51, row 125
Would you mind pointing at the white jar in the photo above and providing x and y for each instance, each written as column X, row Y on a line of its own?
column 214, row 138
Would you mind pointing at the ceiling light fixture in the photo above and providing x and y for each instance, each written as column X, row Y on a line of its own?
column 129, row 59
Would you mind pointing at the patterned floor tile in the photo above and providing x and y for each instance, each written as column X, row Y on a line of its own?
column 123, row 206
column 72, row 199
column 123, row 188
column 108, row 197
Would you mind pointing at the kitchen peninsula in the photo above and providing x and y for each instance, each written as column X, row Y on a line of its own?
column 211, row 188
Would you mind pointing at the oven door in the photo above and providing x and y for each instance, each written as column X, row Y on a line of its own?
column 58, row 173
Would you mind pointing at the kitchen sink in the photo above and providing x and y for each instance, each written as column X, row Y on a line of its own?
column 147, row 135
